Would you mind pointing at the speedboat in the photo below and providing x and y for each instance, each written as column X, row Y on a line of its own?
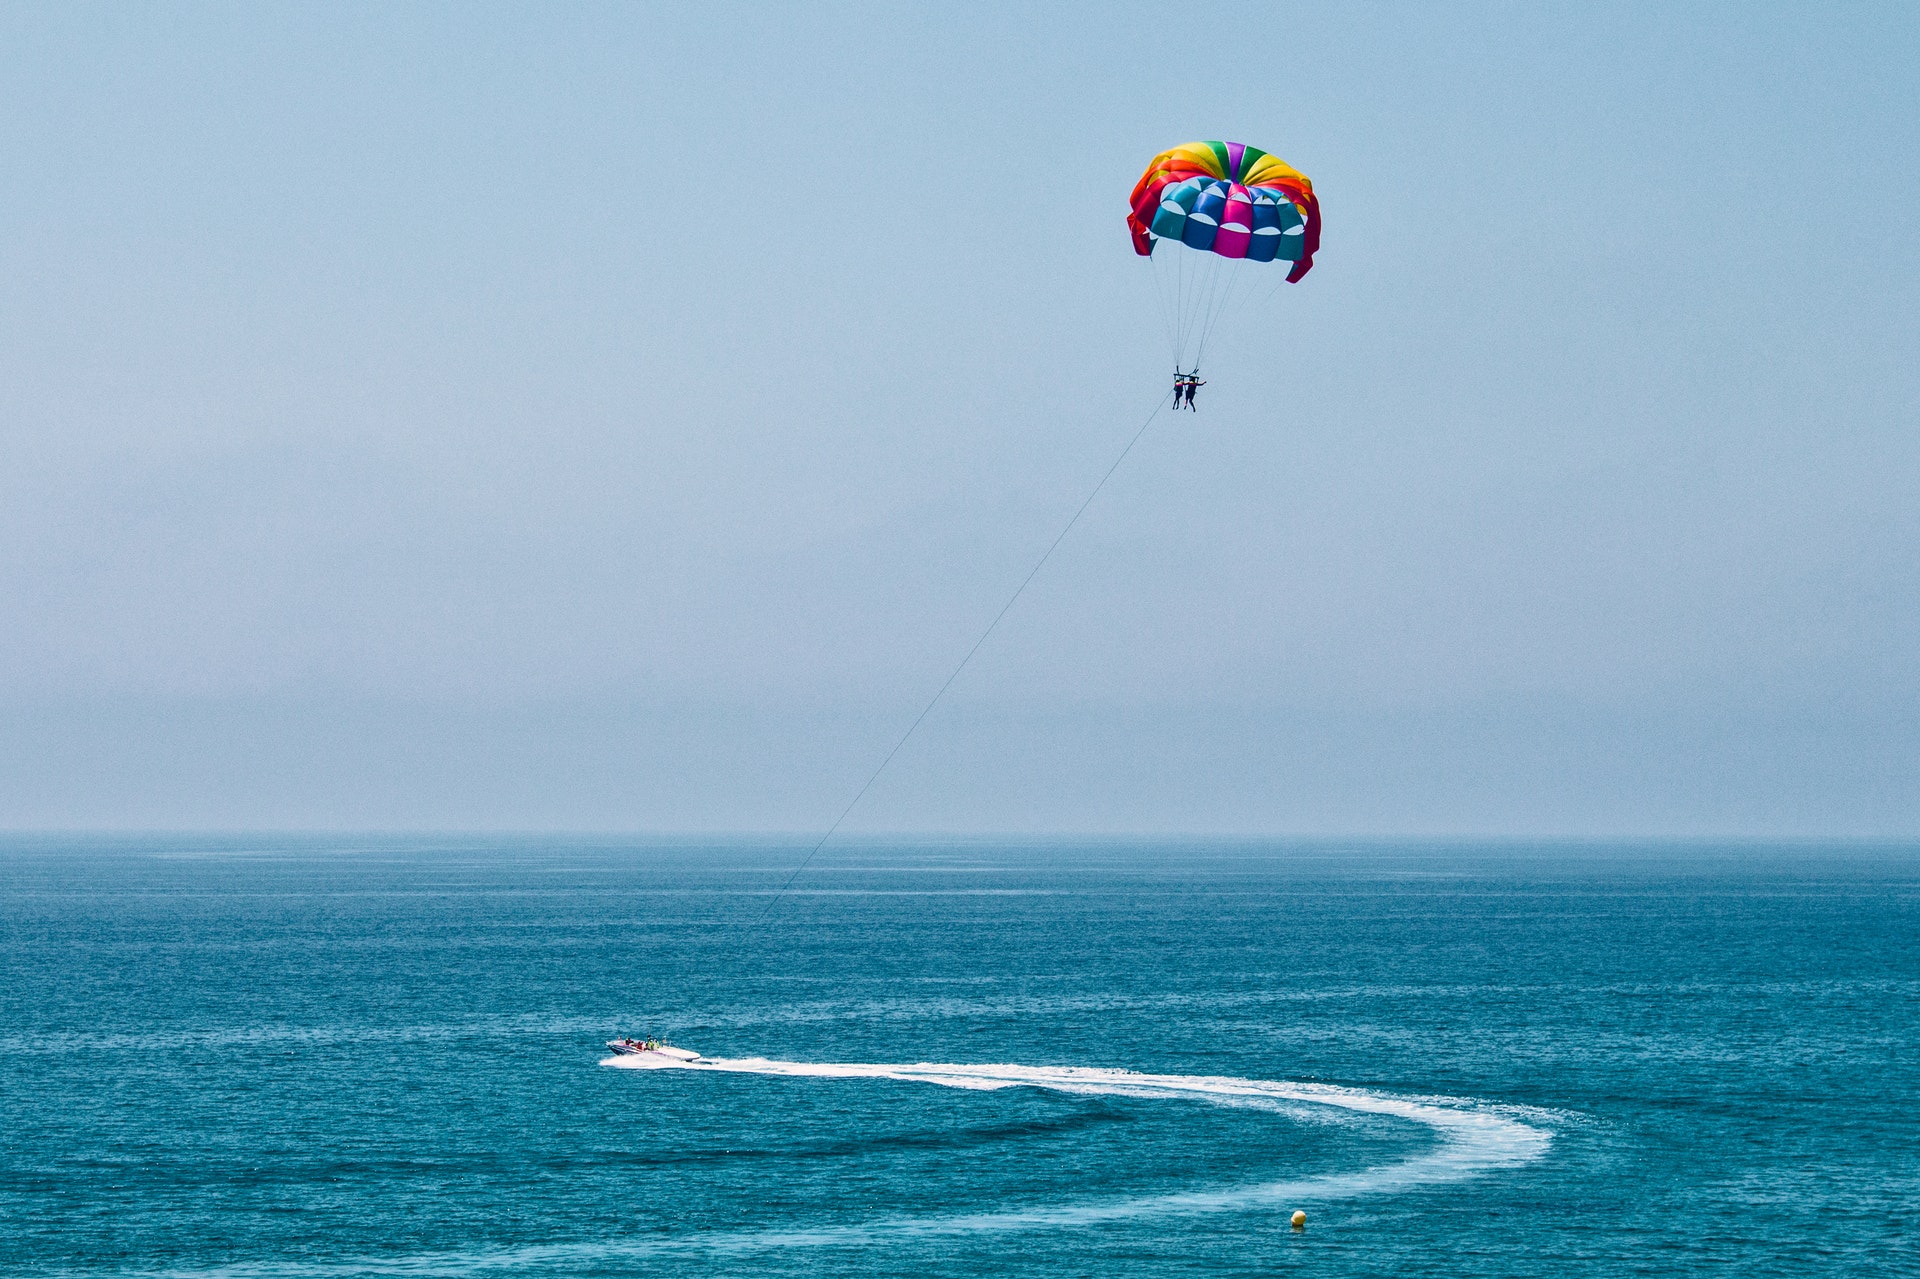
column 636, row 1047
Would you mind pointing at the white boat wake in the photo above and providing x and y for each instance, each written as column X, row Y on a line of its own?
column 1473, row 1138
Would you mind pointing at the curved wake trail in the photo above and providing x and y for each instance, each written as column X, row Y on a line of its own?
column 1473, row 1139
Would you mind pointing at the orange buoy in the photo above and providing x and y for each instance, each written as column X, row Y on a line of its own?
column 1299, row 1220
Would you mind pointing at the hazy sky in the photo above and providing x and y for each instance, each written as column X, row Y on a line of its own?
column 613, row 418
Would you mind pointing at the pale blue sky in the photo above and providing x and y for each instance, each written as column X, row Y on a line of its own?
column 612, row 418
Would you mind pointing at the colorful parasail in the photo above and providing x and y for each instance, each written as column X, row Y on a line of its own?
column 1229, row 199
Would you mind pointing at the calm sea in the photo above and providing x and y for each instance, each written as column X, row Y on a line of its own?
column 331, row 1057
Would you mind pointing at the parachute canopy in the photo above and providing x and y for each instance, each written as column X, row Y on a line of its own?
column 1229, row 199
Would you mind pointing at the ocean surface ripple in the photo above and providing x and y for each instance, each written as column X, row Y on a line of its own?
column 309, row 1058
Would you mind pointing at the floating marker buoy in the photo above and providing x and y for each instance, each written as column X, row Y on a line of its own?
column 1299, row 1220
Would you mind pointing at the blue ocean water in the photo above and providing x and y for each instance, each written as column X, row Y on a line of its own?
column 328, row 1057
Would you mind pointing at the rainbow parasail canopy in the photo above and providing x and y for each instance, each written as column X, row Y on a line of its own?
column 1229, row 199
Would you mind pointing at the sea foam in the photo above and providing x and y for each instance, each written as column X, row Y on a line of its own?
column 1473, row 1138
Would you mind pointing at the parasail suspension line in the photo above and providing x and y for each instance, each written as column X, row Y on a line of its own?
column 933, row 701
